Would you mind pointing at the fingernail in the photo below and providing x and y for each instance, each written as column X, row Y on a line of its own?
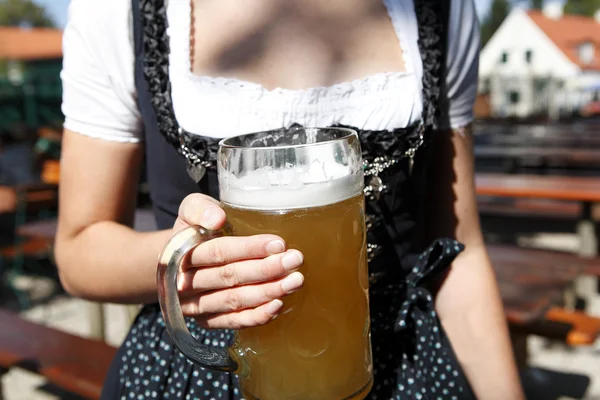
column 292, row 282
column 292, row 260
column 274, row 307
column 275, row 247
column 211, row 217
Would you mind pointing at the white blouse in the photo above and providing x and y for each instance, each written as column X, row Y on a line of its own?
column 99, row 96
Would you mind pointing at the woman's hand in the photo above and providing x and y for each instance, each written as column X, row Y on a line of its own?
column 233, row 282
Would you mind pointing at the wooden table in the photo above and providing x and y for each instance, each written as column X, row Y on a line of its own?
column 531, row 280
column 585, row 190
column 71, row 362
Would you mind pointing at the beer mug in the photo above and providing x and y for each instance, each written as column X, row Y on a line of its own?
column 306, row 186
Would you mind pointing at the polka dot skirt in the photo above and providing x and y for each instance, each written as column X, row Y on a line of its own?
column 412, row 356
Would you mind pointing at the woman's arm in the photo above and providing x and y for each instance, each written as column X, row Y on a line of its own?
column 468, row 301
column 99, row 256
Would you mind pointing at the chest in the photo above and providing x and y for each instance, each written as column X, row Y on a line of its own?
column 294, row 44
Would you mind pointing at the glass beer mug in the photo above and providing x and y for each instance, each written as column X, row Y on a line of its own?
column 305, row 185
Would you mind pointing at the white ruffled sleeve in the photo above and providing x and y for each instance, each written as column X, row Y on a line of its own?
column 99, row 98
column 462, row 66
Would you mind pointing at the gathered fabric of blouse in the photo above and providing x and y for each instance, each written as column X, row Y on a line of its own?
column 100, row 100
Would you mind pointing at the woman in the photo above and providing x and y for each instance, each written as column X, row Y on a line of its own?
column 404, row 75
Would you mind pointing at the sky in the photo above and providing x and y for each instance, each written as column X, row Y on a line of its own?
column 58, row 9
column 482, row 7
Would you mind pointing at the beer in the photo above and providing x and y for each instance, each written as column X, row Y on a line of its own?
column 319, row 346
column 305, row 185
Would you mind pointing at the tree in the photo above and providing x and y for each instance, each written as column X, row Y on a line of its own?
column 582, row 7
column 537, row 4
column 23, row 13
column 498, row 12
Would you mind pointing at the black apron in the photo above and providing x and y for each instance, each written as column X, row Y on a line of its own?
column 413, row 358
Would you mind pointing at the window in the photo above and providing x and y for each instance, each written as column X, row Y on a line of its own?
column 504, row 58
column 528, row 56
column 484, row 86
column 513, row 97
column 586, row 52
column 540, row 84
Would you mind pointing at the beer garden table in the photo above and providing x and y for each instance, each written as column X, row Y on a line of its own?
column 584, row 190
column 528, row 293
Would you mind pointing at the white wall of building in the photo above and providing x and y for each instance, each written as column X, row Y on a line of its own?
column 517, row 35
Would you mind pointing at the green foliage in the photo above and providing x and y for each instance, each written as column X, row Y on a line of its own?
column 582, row 7
column 537, row 4
column 23, row 13
column 498, row 12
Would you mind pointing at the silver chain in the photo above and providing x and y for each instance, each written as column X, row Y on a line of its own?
column 196, row 167
column 375, row 188
column 372, row 169
column 189, row 154
column 373, row 250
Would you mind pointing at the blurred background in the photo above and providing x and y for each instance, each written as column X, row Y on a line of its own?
column 537, row 151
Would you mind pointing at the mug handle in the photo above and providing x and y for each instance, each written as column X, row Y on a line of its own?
column 169, row 264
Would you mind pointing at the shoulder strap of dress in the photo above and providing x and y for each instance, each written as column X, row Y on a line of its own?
column 154, row 51
column 152, row 46
column 433, row 22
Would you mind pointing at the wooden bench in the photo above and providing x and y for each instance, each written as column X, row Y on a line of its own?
column 8, row 199
column 72, row 363
column 585, row 329
column 530, row 208
column 532, row 283
column 30, row 246
column 568, row 135
column 515, row 158
column 574, row 328
column 50, row 173
column 31, row 200
column 505, row 219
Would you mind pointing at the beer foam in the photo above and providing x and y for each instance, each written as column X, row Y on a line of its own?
column 267, row 188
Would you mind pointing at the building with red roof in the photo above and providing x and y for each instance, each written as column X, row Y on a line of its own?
column 542, row 62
